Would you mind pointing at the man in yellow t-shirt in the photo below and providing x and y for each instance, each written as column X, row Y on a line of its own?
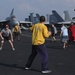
column 39, row 33
column 16, row 32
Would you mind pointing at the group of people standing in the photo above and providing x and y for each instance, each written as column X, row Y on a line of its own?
column 39, row 34
column 7, row 34
column 67, row 34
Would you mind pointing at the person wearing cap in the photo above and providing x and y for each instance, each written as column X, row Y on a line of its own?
column 6, row 35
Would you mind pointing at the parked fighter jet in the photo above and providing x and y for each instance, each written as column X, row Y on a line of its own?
column 12, row 20
column 60, row 20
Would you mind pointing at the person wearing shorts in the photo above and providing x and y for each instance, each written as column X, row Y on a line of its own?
column 64, row 35
column 6, row 35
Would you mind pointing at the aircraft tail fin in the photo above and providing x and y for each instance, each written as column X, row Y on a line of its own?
column 38, row 17
column 59, row 18
column 67, row 16
column 52, row 19
column 11, row 14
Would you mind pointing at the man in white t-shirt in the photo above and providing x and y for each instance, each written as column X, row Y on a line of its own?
column 64, row 35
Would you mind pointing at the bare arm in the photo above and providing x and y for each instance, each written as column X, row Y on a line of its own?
column 1, row 36
column 60, row 33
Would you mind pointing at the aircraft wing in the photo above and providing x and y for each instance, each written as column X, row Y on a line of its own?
column 26, row 23
column 60, row 20
column 4, row 21
column 66, row 22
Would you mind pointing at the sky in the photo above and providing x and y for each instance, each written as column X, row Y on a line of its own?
column 23, row 8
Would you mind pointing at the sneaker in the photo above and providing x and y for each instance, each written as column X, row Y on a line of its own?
column 13, row 49
column 0, row 48
column 64, row 46
column 27, row 68
column 47, row 71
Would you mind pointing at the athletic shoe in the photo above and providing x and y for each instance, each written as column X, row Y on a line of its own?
column 64, row 47
column 13, row 49
column 47, row 71
column 27, row 68
column 0, row 48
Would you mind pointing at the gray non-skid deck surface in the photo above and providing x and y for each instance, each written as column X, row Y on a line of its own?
column 61, row 61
